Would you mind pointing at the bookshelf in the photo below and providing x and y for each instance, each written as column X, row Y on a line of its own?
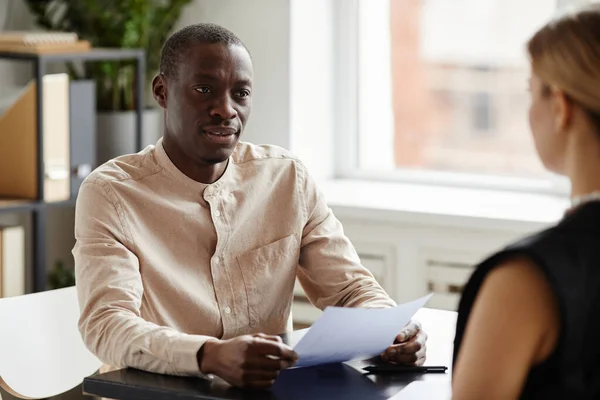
column 38, row 208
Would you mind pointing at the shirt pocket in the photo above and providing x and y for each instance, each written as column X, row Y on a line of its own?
column 269, row 273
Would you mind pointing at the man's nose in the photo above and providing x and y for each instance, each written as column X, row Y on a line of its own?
column 223, row 108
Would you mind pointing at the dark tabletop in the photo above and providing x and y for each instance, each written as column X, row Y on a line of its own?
column 332, row 381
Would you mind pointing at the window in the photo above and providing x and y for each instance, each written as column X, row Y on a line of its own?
column 440, row 91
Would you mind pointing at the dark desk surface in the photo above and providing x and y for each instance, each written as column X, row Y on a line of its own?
column 334, row 381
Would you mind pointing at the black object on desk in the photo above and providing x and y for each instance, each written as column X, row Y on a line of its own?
column 404, row 369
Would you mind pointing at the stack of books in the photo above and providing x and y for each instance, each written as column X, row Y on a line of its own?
column 42, row 42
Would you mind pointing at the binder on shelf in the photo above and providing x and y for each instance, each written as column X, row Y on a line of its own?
column 12, row 261
column 18, row 142
column 82, row 124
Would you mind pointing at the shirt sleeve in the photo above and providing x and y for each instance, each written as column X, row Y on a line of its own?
column 110, row 292
column 330, row 270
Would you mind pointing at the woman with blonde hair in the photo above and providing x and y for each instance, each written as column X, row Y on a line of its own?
column 529, row 318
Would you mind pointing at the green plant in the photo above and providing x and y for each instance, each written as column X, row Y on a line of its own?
column 61, row 276
column 142, row 24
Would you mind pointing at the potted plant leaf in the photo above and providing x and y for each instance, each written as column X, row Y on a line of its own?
column 61, row 276
column 142, row 24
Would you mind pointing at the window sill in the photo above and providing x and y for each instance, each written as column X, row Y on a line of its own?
column 389, row 202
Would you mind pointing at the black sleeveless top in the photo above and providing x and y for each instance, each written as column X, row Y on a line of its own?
column 569, row 255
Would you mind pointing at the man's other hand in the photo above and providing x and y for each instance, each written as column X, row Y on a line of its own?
column 250, row 361
column 409, row 347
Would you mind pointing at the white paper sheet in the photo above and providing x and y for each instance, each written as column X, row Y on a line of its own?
column 343, row 334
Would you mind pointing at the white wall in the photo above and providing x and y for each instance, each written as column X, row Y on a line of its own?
column 312, row 84
column 14, row 16
column 375, row 118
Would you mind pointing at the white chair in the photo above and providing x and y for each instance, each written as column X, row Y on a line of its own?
column 41, row 352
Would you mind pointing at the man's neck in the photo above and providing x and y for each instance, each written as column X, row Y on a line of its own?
column 203, row 173
column 206, row 173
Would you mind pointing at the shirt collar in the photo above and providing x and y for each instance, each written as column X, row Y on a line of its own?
column 164, row 160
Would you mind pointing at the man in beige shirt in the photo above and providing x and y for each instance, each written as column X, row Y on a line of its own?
column 188, row 251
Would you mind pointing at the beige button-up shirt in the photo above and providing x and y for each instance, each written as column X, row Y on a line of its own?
column 164, row 262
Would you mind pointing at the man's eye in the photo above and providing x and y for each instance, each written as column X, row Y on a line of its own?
column 203, row 89
column 243, row 93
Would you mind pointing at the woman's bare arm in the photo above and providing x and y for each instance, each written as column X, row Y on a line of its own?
column 514, row 324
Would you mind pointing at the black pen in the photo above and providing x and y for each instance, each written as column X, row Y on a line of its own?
column 397, row 369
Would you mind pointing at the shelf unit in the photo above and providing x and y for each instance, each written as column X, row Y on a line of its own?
column 39, row 207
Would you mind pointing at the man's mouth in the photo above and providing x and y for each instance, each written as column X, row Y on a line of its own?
column 221, row 135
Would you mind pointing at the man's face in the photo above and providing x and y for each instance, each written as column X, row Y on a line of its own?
column 208, row 101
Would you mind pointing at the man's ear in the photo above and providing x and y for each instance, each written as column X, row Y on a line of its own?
column 563, row 110
column 159, row 90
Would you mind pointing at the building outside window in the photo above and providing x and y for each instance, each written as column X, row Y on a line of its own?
column 442, row 91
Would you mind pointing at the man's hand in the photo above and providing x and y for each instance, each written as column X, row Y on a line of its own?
column 250, row 361
column 409, row 346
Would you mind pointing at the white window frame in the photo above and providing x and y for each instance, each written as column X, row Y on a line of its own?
column 347, row 127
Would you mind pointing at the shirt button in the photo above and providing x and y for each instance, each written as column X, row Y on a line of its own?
column 227, row 310
column 217, row 213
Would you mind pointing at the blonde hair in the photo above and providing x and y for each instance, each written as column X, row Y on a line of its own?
column 565, row 53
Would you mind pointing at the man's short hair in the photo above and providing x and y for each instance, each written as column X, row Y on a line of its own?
column 179, row 43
